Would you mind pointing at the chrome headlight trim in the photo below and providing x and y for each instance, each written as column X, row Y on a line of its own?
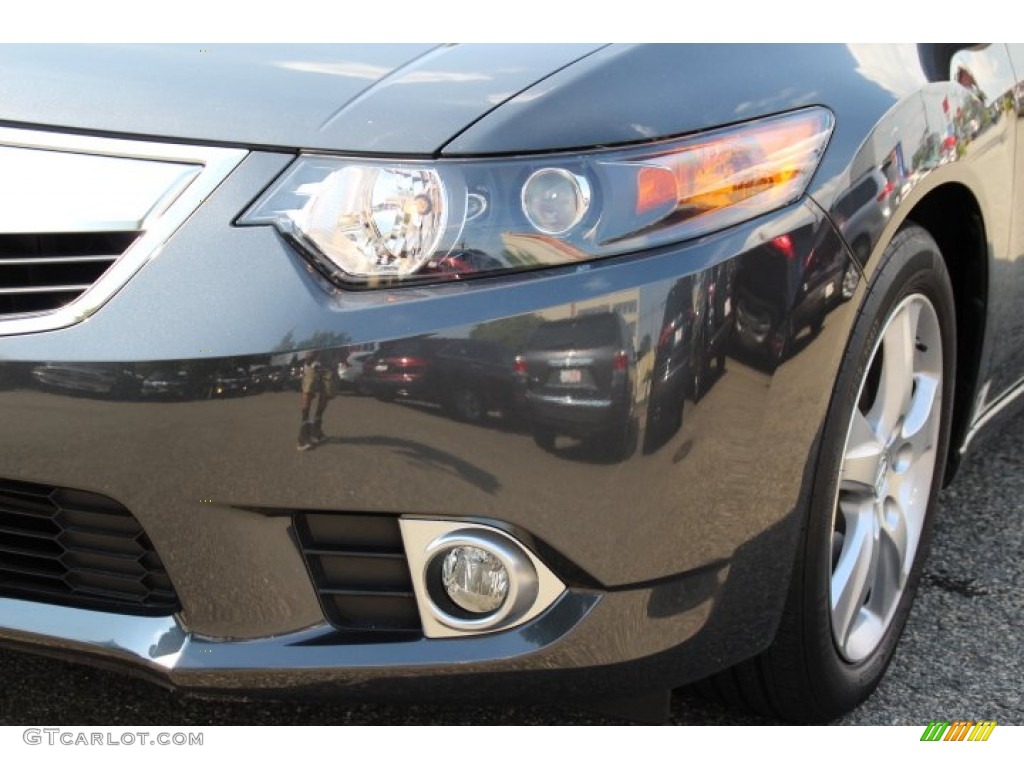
column 167, row 213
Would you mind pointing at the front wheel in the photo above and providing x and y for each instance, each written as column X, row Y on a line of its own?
column 880, row 466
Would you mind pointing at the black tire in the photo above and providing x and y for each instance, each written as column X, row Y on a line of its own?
column 544, row 438
column 802, row 676
column 467, row 405
column 697, row 383
column 787, row 332
column 620, row 443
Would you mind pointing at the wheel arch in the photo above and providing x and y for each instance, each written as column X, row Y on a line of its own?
column 952, row 215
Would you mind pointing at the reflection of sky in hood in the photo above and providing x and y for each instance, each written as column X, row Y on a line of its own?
column 896, row 68
column 363, row 71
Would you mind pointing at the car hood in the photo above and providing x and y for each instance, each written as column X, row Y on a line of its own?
column 360, row 98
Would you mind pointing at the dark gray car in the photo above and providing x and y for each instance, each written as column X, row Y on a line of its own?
column 693, row 244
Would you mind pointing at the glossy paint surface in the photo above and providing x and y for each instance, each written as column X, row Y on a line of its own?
column 910, row 119
column 226, row 436
column 1008, row 319
column 362, row 98
column 955, row 131
column 672, row 516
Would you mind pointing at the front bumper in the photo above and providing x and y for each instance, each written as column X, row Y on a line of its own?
column 639, row 639
column 676, row 561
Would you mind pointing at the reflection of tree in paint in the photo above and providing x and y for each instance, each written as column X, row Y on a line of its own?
column 510, row 331
column 319, row 340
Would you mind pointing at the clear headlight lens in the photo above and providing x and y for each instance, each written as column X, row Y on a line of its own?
column 368, row 221
column 474, row 579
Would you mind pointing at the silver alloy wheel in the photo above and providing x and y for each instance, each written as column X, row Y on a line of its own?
column 886, row 477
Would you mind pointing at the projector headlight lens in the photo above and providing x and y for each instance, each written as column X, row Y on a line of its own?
column 554, row 200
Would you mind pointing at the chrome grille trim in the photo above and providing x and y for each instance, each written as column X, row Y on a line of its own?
column 163, row 219
column 30, row 260
column 45, row 289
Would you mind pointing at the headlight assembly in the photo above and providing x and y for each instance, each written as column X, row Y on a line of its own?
column 374, row 222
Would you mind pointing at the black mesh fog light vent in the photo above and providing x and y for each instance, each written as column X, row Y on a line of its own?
column 358, row 566
column 81, row 549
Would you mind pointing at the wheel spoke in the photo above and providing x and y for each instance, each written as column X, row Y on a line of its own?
column 910, row 490
column 855, row 570
column 864, row 634
column 863, row 453
column 919, row 427
column 896, row 383
column 893, row 555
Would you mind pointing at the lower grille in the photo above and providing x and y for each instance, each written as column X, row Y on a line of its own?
column 59, row 545
column 359, row 569
column 42, row 272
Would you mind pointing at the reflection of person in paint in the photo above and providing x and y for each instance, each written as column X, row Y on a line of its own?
column 318, row 384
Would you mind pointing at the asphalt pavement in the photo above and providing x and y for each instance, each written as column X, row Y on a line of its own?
column 960, row 657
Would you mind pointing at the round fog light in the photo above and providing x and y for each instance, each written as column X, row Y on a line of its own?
column 554, row 200
column 474, row 579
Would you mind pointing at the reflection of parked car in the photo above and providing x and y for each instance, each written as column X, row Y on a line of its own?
column 293, row 375
column 170, row 384
column 694, row 334
column 468, row 377
column 259, row 378
column 230, row 383
column 350, row 370
column 282, row 205
column 826, row 283
column 715, row 322
column 579, row 377
column 675, row 371
column 471, row 377
column 765, row 293
column 861, row 211
column 92, row 378
column 397, row 369
column 276, row 378
column 779, row 293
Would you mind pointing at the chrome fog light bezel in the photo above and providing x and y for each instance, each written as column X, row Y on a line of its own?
column 522, row 579
column 532, row 586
